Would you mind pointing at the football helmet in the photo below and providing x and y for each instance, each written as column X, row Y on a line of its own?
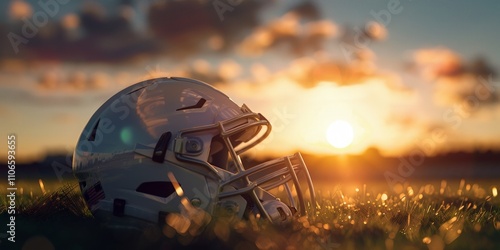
column 162, row 142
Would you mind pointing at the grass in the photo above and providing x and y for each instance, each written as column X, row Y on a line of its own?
column 413, row 217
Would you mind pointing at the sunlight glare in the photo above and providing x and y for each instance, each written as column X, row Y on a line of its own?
column 340, row 134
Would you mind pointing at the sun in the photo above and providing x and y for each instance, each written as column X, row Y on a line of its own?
column 340, row 134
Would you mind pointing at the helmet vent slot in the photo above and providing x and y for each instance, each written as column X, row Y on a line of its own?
column 94, row 131
column 157, row 188
column 198, row 105
column 161, row 147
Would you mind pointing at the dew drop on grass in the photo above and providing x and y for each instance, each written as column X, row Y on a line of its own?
column 436, row 243
column 402, row 197
column 398, row 188
column 443, row 186
column 315, row 230
column 461, row 187
column 410, row 191
column 42, row 186
column 384, row 197
column 429, row 189
column 426, row 240
column 494, row 191
column 451, row 229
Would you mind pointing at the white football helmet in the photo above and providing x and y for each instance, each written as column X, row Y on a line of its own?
column 167, row 140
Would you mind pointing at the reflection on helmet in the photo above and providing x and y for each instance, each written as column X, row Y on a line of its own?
column 162, row 145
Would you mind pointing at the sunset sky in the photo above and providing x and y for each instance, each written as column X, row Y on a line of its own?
column 403, row 74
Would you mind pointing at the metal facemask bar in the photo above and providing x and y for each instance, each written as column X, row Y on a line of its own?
column 267, row 175
column 226, row 129
column 272, row 174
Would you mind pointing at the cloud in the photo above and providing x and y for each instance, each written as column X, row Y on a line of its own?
column 104, row 32
column 311, row 71
column 456, row 81
column 95, row 21
column 54, row 87
column 186, row 26
column 468, row 90
column 19, row 10
column 355, row 38
column 75, row 81
column 290, row 32
column 88, row 33
column 229, row 69
column 481, row 67
column 375, row 31
column 438, row 62
column 26, row 96
column 307, row 10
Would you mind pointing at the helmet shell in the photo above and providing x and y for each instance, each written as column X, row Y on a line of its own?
column 108, row 161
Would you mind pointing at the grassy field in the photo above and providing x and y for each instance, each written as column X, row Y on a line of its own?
column 426, row 216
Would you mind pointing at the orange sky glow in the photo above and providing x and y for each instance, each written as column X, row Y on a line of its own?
column 302, row 71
